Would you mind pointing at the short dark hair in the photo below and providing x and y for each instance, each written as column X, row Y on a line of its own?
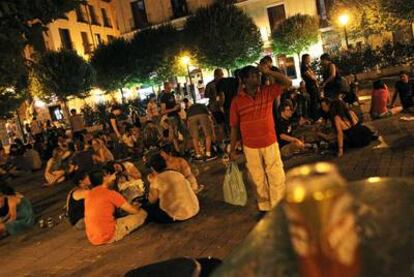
column 326, row 57
column 167, row 148
column 266, row 59
column 186, row 100
column 217, row 71
column 284, row 105
column 157, row 163
column 379, row 84
column 246, row 71
column 96, row 176
column 326, row 100
column 73, row 111
column 115, row 107
column 6, row 190
column 403, row 72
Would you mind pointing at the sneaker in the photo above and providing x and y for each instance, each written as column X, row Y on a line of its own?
column 210, row 158
column 198, row 158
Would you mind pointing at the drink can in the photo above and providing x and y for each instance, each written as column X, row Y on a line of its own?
column 322, row 223
column 42, row 223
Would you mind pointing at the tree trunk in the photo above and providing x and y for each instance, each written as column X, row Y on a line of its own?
column 66, row 114
column 228, row 72
column 122, row 95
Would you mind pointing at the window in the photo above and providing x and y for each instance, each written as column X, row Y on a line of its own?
column 140, row 14
column 110, row 38
column 179, row 8
column 92, row 14
column 80, row 15
column 65, row 40
column 86, row 45
column 106, row 20
column 98, row 39
column 276, row 15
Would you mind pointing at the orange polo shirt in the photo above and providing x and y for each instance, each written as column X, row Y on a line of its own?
column 100, row 204
column 254, row 116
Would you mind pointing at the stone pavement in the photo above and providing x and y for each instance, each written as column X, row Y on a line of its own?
column 63, row 251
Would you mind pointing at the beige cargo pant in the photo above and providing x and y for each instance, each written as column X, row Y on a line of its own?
column 266, row 169
column 125, row 225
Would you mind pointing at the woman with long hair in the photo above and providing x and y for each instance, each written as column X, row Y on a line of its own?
column 379, row 101
column 311, row 84
column 54, row 172
column 348, row 129
column 101, row 154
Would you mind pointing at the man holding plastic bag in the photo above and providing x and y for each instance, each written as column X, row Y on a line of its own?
column 251, row 115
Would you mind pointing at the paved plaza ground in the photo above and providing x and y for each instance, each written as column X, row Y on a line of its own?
column 63, row 251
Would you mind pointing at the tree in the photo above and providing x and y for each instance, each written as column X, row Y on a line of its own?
column 295, row 34
column 10, row 101
column 367, row 17
column 223, row 36
column 113, row 66
column 154, row 50
column 63, row 74
column 21, row 22
column 403, row 9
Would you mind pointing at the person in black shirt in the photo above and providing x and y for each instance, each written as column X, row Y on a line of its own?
column 268, row 62
column 114, row 122
column 404, row 88
column 171, row 108
column 311, row 84
column 287, row 142
column 75, row 202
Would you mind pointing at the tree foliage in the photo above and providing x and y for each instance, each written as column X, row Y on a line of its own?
column 154, row 50
column 295, row 34
column 63, row 74
column 112, row 64
column 367, row 17
column 10, row 101
column 20, row 23
column 403, row 9
column 223, row 36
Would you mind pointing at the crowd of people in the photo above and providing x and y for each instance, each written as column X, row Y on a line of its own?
column 256, row 112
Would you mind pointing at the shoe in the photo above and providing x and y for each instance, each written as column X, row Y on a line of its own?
column 210, row 158
column 198, row 159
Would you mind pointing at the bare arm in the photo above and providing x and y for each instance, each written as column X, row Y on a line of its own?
column 339, row 136
column 164, row 109
column 133, row 172
column 153, row 195
column 291, row 139
column 12, row 209
column 234, row 137
column 281, row 79
column 115, row 127
column 129, row 208
column 311, row 76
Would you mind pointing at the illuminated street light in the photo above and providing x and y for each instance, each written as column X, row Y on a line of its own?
column 185, row 60
column 343, row 20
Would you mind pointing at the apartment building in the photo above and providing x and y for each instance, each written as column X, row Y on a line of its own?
column 84, row 29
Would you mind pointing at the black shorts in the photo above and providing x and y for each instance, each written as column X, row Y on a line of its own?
column 219, row 117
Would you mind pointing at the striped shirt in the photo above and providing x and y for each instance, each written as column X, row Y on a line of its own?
column 254, row 116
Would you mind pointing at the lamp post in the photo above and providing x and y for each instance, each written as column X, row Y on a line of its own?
column 186, row 60
column 343, row 20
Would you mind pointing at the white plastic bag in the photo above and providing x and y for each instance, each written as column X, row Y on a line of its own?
column 234, row 190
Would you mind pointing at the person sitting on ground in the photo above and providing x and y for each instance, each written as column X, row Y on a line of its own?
column 300, row 104
column 16, row 212
column 101, row 154
column 82, row 159
column 288, row 144
column 404, row 88
column 54, row 172
column 32, row 158
column 199, row 117
column 100, row 204
column 171, row 198
column 349, row 131
column 128, row 180
column 379, row 101
column 180, row 165
column 75, row 203
column 151, row 135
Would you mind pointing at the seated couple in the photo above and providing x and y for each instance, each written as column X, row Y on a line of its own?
column 170, row 199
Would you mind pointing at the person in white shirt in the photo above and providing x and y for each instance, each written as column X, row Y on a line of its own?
column 171, row 198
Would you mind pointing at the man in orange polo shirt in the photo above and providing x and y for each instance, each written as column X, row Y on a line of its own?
column 251, row 115
column 100, row 204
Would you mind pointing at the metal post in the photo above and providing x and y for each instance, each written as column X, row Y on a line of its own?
column 346, row 38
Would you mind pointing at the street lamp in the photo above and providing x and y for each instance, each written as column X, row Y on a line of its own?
column 343, row 20
column 186, row 60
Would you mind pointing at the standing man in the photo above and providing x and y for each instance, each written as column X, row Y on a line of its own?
column 251, row 116
column 77, row 123
column 114, row 121
column 171, row 108
column 216, row 101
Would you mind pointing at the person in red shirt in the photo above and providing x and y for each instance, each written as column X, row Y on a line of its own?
column 251, row 115
column 100, row 204
column 380, row 100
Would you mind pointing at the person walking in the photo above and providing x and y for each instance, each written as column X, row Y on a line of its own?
column 251, row 116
